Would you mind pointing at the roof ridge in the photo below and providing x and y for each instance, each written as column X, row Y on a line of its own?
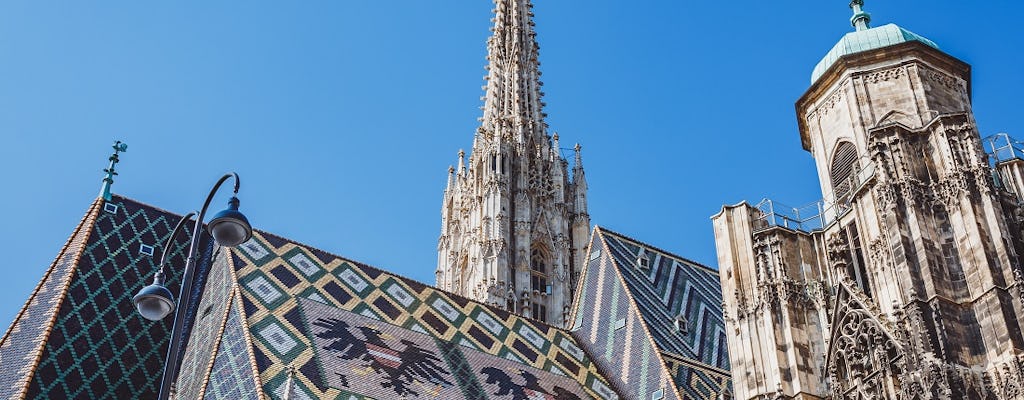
column 635, row 308
column 656, row 248
column 363, row 265
column 81, row 236
column 49, row 270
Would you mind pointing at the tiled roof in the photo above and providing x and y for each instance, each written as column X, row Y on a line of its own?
column 624, row 304
column 349, row 329
column 79, row 336
column 277, row 316
column 267, row 306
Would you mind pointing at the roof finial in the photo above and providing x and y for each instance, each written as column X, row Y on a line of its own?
column 119, row 147
column 860, row 19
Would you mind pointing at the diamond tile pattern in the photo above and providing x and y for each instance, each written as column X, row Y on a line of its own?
column 232, row 375
column 274, row 275
column 98, row 347
column 79, row 335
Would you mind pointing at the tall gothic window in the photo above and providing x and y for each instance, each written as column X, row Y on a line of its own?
column 538, row 270
column 844, row 166
column 858, row 268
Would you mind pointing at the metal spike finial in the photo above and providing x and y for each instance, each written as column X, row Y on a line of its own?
column 860, row 20
column 119, row 147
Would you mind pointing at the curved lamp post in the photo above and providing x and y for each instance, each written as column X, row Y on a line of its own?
column 229, row 228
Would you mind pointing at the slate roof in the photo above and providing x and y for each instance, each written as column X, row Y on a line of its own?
column 625, row 315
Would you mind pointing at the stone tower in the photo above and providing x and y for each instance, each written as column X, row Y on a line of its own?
column 513, row 225
column 906, row 282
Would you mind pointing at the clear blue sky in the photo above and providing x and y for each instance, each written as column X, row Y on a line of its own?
column 343, row 116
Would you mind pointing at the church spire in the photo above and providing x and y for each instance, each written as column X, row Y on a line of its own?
column 860, row 19
column 513, row 98
column 510, row 235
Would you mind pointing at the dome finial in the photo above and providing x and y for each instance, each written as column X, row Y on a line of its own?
column 860, row 18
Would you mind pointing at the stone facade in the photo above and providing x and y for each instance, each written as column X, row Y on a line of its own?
column 908, row 284
column 514, row 226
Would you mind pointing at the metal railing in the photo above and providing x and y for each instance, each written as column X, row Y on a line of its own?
column 1003, row 147
column 1000, row 147
column 819, row 214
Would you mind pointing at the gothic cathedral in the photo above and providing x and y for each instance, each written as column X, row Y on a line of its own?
column 514, row 226
column 907, row 283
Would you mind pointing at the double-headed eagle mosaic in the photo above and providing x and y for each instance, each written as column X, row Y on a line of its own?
column 401, row 370
column 409, row 369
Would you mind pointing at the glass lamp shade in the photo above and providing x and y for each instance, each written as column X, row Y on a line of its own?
column 154, row 302
column 230, row 227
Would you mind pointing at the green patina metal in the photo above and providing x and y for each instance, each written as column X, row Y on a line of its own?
column 865, row 38
column 108, row 180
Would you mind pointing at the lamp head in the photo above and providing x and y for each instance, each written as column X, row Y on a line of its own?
column 230, row 227
column 154, row 302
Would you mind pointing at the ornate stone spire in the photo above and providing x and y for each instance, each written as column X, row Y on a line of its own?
column 510, row 235
column 512, row 104
column 860, row 19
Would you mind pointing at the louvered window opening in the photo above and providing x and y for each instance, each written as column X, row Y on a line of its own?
column 844, row 166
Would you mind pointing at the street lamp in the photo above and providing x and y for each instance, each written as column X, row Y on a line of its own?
column 229, row 228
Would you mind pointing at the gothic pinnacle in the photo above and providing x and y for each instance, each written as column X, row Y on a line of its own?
column 462, row 164
column 579, row 158
column 451, row 176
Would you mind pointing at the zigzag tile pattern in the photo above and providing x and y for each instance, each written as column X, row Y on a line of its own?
column 274, row 273
column 613, row 331
column 663, row 286
column 670, row 286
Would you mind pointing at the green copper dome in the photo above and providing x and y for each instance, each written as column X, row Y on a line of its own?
column 865, row 38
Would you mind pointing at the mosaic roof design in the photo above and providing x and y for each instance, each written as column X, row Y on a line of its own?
column 661, row 310
column 80, row 325
column 21, row 345
column 232, row 375
column 208, row 327
column 267, row 308
column 670, row 286
column 293, row 294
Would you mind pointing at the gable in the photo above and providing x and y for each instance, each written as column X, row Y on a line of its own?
column 654, row 294
column 612, row 330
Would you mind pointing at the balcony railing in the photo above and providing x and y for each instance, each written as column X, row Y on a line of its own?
column 1002, row 147
column 819, row 214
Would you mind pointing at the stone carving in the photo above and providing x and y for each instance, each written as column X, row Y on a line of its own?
column 886, row 75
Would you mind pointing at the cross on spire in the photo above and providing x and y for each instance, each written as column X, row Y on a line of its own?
column 119, row 147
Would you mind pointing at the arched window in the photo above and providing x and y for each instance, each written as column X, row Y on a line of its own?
column 844, row 168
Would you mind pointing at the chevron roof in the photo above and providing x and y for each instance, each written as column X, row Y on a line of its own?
column 662, row 287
